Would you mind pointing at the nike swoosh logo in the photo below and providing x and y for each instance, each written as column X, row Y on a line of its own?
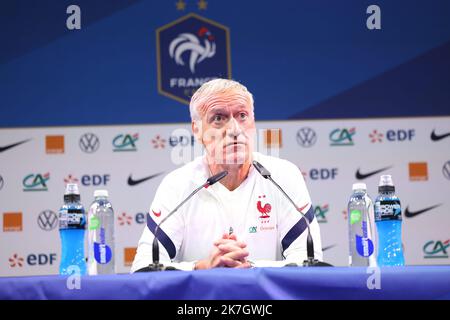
column 301, row 209
column 157, row 214
column 436, row 137
column 13, row 145
column 132, row 182
column 361, row 176
column 410, row 214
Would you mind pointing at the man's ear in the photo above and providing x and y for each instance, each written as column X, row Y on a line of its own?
column 197, row 132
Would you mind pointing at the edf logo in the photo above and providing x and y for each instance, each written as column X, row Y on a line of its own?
column 182, row 141
column 39, row 259
column 95, row 180
column 140, row 218
column 392, row 135
column 126, row 219
column 323, row 174
column 400, row 135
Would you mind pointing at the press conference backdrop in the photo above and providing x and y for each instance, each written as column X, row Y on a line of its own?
column 96, row 92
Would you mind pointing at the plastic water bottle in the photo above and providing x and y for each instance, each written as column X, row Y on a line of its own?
column 101, row 235
column 388, row 219
column 360, row 211
column 72, row 224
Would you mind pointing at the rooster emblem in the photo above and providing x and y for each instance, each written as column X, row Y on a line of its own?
column 191, row 43
column 264, row 210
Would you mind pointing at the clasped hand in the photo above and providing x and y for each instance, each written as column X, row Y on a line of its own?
column 227, row 252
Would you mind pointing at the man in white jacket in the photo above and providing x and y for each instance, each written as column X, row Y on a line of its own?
column 241, row 221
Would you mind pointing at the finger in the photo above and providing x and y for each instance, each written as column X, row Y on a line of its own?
column 227, row 236
column 221, row 241
column 244, row 265
column 214, row 258
column 217, row 262
column 237, row 255
column 228, row 241
column 230, row 263
column 229, row 247
column 241, row 244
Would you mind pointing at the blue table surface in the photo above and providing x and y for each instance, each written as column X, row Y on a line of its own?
column 410, row 282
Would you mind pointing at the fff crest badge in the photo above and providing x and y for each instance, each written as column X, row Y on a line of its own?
column 191, row 51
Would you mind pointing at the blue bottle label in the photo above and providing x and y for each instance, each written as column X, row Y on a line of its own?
column 102, row 253
column 364, row 246
column 72, row 219
column 388, row 210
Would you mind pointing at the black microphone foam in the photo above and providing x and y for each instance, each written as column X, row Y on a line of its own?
column 261, row 169
column 215, row 178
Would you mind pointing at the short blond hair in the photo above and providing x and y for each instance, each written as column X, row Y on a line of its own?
column 213, row 87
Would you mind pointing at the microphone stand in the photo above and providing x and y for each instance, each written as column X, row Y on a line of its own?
column 156, row 266
column 310, row 260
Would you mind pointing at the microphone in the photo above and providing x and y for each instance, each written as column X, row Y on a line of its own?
column 215, row 178
column 310, row 261
column 156, row 266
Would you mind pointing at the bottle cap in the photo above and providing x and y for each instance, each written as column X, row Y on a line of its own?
column 386, row 184
column 72, row 188
column 100, row 193
column 359, row 186
column 386, row 180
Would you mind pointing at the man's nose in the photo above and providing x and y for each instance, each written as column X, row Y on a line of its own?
column 233, row 129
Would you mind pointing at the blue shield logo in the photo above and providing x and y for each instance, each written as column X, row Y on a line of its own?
column 191, row 51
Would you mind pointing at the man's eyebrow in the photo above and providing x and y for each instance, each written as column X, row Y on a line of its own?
column 216, row 109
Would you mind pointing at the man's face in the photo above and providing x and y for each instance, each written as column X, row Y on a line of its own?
column 227, row 128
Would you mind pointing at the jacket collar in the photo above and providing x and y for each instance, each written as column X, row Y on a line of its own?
column 200, row 170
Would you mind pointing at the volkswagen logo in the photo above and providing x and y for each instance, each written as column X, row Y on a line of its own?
column 306, row 137
column 1, row 182
column 47, row 220
column 89, row 143
column 446, row 170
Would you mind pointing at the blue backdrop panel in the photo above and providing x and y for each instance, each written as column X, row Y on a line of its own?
column 301, row 59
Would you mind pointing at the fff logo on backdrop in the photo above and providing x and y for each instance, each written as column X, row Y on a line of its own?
column 191, row 51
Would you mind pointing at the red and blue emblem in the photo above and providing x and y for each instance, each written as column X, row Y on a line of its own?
column 191, row 51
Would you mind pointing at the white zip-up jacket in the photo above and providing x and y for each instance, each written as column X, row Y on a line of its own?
column 256, row 211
